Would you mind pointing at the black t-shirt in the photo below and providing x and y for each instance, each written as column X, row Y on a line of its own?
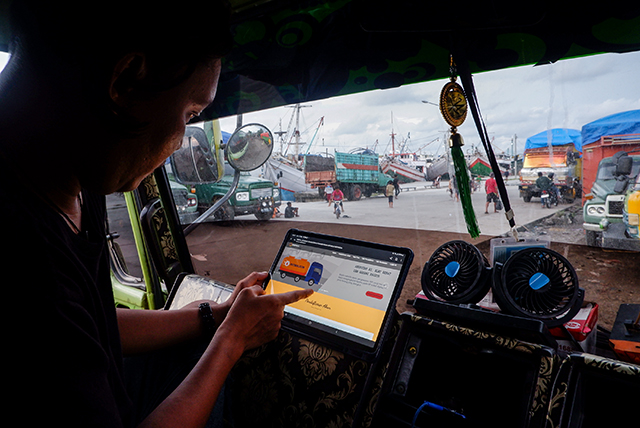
column 62, row 346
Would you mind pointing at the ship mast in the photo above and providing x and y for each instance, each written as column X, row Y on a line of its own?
column 393, row 142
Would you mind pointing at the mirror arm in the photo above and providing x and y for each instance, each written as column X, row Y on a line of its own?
column 216, row 206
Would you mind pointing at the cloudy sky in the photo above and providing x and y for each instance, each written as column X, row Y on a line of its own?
column 519, row 102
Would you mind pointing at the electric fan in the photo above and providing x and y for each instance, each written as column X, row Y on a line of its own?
column 456, row 273
column 538, row 283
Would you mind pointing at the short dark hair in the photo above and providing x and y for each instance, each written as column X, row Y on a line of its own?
column 81, row 30
column 92, row 36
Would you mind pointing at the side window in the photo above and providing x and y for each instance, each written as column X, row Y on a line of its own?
column 124, row 246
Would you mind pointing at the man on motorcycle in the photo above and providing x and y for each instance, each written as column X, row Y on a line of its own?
column 337, row 196
column 553, row 190
column 543, row 184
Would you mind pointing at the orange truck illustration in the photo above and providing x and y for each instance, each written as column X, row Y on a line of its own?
column 301, row 269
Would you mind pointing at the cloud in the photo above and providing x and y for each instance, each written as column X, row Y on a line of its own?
column 515, row 103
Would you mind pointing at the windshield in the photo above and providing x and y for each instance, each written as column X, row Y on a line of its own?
column 537, row 161
column 427, row 212
column 607, row 170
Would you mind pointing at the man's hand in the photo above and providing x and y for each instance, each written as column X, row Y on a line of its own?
column 221, row 310
column 254, row 318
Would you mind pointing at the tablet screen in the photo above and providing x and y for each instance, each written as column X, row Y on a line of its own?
column 356, row 285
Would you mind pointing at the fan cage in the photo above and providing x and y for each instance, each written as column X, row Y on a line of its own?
column 518, row 290
column 470, row 282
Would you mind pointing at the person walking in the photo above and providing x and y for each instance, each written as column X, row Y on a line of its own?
column 328, row 191
column 396, row 185
column 491, row 188
column 389, row 192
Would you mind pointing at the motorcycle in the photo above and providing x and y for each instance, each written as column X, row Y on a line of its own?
column 549, row 197
column 337, row 208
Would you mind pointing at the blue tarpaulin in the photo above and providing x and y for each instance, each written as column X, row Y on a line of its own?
column 557, row 136
column 627, row 122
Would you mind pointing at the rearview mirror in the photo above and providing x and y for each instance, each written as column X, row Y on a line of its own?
column 249, row 147
column 195, row 162
column 624, row 165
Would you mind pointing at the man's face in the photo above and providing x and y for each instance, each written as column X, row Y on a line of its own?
column 167, row 115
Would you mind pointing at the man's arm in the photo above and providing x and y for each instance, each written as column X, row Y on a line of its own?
column 253, row 320
column 146, row 330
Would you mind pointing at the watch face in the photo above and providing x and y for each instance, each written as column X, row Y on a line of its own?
column 453, row 104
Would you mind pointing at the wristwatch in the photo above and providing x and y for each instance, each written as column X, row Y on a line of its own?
column 208, row 322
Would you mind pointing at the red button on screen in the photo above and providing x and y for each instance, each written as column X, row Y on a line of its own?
column 374, row 295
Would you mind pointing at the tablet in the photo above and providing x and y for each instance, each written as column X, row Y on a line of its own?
column 356, row 286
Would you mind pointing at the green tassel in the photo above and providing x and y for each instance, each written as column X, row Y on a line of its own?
column 460, row 167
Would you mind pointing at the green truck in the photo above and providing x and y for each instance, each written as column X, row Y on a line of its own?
column 604, row 205
column 254, row 195
column 356, row 173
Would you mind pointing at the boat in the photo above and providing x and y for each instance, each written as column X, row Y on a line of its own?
column 416, row 170
column 289, row 177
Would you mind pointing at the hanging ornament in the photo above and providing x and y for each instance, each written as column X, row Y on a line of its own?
column 453, row 106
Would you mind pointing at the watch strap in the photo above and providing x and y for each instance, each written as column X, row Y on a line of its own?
column 208, row 322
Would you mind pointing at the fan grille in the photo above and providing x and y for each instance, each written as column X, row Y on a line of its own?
column 539, row 283
column 455, row 273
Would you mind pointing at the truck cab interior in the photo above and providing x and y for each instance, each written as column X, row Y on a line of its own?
column 448, row 360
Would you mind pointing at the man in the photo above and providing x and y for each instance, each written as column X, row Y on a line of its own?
column 396, row 184
column 389, row 192
column 328, row 190
column 543, row 183
column 290, row 211
column 491, row 188
column 93, row 99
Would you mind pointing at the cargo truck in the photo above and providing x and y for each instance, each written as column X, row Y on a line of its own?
column 555, row 151
column 604, row 205
column 631, row 212
column 301, row 269
column 356, row 174
column 611, row 163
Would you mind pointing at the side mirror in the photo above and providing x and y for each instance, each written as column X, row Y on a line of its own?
column 248, row 148
column 624, row 165
column 195, row 162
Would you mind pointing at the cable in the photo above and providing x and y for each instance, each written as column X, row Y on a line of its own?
column 435, row 407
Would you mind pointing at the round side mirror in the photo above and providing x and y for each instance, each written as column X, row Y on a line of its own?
column 249, row 147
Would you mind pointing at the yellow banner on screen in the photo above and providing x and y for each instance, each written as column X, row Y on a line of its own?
column 338, row 310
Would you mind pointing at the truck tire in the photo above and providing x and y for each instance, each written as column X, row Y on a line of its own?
column 526, row 198
column 264, row 216
column 224, row 213
column 356, row 193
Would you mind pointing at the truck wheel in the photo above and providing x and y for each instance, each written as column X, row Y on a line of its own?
column 283, row 275
column 296, row 278
column 264, row 215
column 311, row 282
column 225, row 212
column 527, row 198
column 356, row 193
column 321, row 192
